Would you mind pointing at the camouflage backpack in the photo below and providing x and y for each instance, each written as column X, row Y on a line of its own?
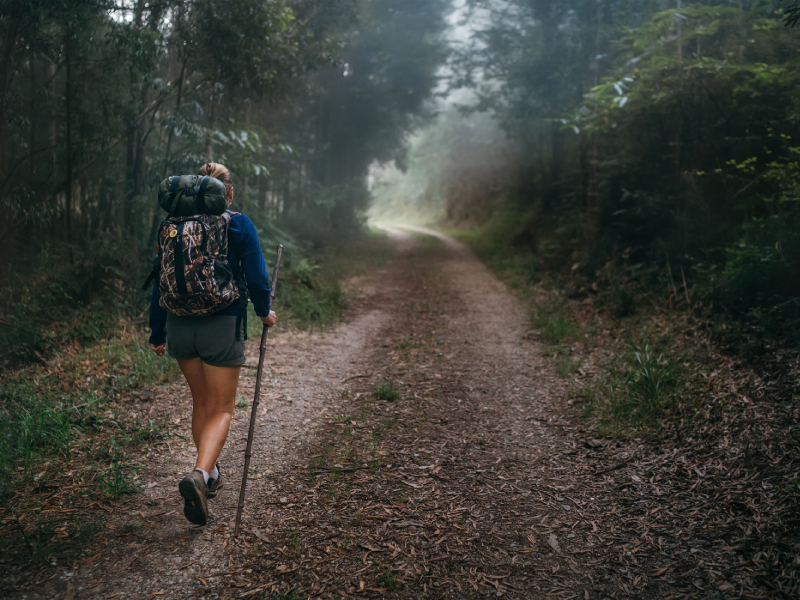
column 191, row 269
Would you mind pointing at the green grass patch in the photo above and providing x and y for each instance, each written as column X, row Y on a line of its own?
column 494, row 241
column 74, row 409
column 386, row 389
column 388, row 580
column 293, row 541
column 60, row 296
column 553, row 322
column 634, row 397
column 133, row 365
column 116, row 481
column 567, row 366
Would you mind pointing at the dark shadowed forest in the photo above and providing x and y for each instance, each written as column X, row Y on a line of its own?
column 656, row 137
column 625, row 170
column 103, row 100
column 652, row 142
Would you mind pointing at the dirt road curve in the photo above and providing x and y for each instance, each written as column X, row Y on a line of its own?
column 486, row 485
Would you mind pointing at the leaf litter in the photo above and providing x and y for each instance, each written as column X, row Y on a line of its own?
column 480, row 478
column 524, row 499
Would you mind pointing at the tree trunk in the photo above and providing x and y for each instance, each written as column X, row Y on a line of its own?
column 156, row 221
column 678, row 116
column 165, row 174
column 558, row 155
column 262, row 193
column 130, row 157
column 133, row 159
column 6, row 75
column 53, row 119
column 211, row 123
column 68, row 104
column 32, row 132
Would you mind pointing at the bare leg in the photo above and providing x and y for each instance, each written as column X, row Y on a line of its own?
column 213, row 396
column 193, row 371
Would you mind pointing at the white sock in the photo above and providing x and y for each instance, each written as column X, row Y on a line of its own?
column 214, row 473
column 205, row 475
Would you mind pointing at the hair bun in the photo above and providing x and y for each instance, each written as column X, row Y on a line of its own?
column 218, row 171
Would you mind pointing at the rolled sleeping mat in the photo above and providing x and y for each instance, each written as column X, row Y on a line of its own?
column 187, row 195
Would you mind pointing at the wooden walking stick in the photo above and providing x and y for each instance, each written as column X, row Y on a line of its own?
column 262, row 350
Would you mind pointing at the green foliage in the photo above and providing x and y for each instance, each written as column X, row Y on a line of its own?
column 46, row 414
column 723, row 71
column 553, row 322
column 102, row 102
column 386, row 389
column 293, row 541
column 388, row 580
column 618, row 298
column 137, row 365
column 310, row 299
column 31, row 427
column 310, row 292
column 648, row 377
column 53, row 301
column 502, row 242
column 567, row 366
column 116, row 481
column 673, row 180
column 792, row 15
column 635, row 396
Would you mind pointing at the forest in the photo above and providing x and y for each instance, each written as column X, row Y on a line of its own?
column 650, row 145
column 658, row 137
column 539, row 313
column 103, row 100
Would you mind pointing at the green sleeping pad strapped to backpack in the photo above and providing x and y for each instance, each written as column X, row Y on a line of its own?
column 187, row 195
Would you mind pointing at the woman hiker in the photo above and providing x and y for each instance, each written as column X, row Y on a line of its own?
column 210, row 356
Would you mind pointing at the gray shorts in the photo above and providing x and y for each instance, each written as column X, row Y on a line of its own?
column 211, row 338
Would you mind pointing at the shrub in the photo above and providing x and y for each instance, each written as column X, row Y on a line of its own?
column 385, row 389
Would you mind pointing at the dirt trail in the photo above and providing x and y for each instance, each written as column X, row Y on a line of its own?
column 149, row 548
column 502, row 494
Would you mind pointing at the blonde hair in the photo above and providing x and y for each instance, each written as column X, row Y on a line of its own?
column 217, row 171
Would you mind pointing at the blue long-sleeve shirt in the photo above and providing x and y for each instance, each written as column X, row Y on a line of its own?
column 244, row 256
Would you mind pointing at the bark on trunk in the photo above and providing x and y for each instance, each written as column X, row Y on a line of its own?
column 68, row 106
column 32, row 133
column 6, row 75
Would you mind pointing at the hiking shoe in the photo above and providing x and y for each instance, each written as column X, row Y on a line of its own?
column 214, row 484
column 194, row 491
